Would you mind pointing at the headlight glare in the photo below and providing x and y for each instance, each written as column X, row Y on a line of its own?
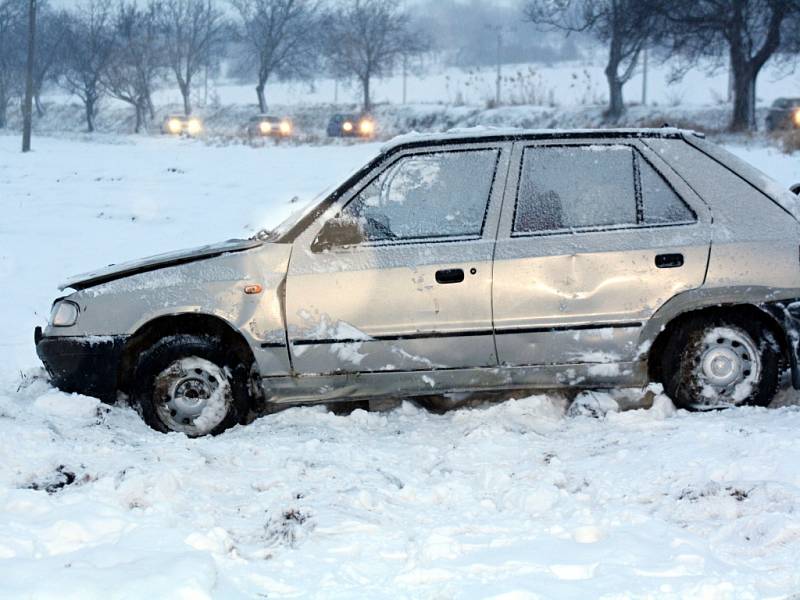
column 796, row 117
column 286, row 127
column 194, row 126
column 367, row 127
column 64, row 314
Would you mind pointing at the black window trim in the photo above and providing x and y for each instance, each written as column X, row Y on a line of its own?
column 434, row 239
column 637, row 186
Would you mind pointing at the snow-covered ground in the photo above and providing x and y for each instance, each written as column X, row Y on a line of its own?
column 520, row 499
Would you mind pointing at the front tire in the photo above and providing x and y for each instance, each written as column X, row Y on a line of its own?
column 720, row 362
column 188, row 384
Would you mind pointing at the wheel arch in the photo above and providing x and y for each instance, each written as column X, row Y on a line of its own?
column 744, row 310
column 194, row 323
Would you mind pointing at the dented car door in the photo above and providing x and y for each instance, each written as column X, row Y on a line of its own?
column 397, row 275
column 593, row 239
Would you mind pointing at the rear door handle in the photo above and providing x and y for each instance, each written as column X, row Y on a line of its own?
column 450, row 276
column 669, row 261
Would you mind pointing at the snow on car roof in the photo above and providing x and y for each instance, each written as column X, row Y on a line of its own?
column 492, row 133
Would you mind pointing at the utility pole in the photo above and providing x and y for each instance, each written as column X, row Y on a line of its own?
column 498, row 31
column 644, row 77
column 405, row 77
column 208, row 53
column 499, row 66
column 27, row 107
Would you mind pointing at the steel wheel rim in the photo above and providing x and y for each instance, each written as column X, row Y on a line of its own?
column 188, row 394
column 727, row 367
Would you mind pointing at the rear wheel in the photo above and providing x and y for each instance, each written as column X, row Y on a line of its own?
column 720, row 362
column 188, row 384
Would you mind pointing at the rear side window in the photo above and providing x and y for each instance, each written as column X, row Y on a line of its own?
column 661, row 205
column 567, row 188
column 442, row 194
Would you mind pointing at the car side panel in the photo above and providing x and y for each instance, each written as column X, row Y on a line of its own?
column 583, row 297
column 379, row 307
column 212, row 287
column 755, row 242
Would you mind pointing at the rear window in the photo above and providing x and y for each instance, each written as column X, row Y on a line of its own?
column 762, row 182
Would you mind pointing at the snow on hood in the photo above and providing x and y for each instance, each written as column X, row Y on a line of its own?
column 152, row 263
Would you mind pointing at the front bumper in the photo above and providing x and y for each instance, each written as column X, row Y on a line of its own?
column 83, row 364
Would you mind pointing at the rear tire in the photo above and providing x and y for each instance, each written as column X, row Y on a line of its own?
column 189, row 384
column 720, row 362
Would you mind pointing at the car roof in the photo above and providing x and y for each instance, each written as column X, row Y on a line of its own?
column 262, row 117
column 492, row 134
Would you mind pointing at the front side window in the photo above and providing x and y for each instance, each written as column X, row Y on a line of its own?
column 566, row 188
column 442, row 194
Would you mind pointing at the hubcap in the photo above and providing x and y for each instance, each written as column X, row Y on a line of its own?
column 728, row 365
column 192, row 396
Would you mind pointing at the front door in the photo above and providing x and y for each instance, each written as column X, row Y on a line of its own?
column 594, row 238
column 397, row 275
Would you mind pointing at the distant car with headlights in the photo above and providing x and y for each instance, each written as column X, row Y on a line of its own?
column 460, row 262
column 182, row 125
column 784, row 114
column 351, row 125
column 261, row 126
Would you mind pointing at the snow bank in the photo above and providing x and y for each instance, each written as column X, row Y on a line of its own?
column 507, row 500
column 520, row 499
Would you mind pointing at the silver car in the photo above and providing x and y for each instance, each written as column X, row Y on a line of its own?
column 457, row 263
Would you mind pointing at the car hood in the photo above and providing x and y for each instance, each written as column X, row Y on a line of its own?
column 152, row 263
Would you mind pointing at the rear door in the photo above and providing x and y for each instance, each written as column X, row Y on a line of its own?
column 594, row 238
column 412, row 290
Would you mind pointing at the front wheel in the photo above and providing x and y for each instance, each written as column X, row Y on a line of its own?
column 721, row 362
column 187, row 384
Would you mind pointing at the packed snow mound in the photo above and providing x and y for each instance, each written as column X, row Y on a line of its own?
column 520, row 498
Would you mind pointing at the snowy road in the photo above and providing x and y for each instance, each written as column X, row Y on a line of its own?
column 513, row 500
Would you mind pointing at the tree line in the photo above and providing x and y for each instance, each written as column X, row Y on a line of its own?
column 126, row 49
column 739, row 34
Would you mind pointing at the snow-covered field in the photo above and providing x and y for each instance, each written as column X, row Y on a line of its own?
column 520, row 499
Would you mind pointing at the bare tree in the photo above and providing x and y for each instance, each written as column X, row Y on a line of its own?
column 622, row 24
column 746, row 32
column 193, row 31
column 12, row 60
column 366, row 38
column 279, row 37
column 51, row 36
column 88, row 50
column 137, row 58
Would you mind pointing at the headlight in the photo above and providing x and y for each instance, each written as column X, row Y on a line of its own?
column 796, row 117
column 367, row 127
column 64, row 314
column 347, row 126
column 265, row 127
column 174, row 126
column 286, row 127
column 194, row 126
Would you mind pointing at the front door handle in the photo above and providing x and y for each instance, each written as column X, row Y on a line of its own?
column 669, row 261
column 450, row 276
